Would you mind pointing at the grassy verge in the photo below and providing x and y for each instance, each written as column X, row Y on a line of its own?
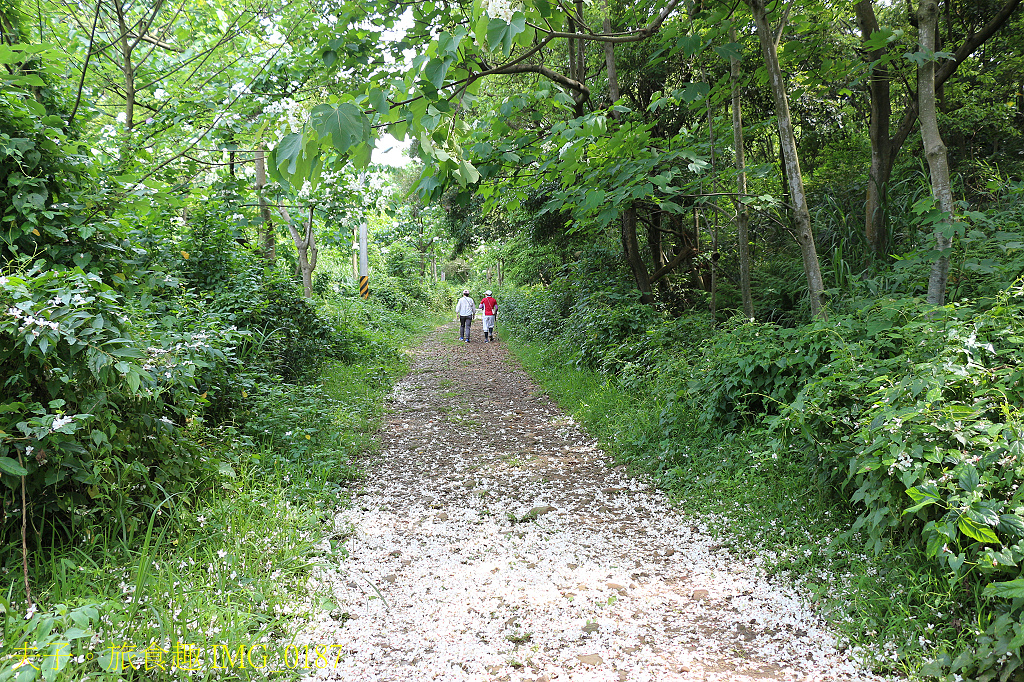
column 895, row 613
column 213, row 583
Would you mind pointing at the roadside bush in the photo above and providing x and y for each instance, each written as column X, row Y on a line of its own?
column 538, row 314
column 400, row 294
column 919, row 423
column 90, row 410
column 601, row 328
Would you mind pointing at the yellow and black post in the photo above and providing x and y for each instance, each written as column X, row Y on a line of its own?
column 364, row 266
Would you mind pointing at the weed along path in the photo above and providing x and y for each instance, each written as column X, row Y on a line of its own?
column 493, row 542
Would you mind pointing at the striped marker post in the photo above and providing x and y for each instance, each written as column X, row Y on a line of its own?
column 364, row 264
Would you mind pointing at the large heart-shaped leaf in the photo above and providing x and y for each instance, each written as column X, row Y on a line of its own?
column 344, row 124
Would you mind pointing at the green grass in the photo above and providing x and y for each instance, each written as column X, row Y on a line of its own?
column 771, row 509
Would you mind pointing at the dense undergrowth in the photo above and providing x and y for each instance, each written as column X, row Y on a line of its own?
column 875, row 458
column 177, row 436
column 206, row 570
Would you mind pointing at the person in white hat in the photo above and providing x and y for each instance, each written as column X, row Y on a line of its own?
column 465, row 309
column 490, row 306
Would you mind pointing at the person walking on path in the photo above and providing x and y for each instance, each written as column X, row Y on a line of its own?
column 465, row 309
column 490, row 306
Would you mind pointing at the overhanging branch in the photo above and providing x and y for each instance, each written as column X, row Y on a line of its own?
column 630, row 37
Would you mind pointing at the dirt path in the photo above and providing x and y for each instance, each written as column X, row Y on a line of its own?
column 494, row 543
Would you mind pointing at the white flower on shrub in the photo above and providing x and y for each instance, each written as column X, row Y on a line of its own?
column 60, row 422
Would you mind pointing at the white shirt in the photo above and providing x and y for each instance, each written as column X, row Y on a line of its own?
column 466, row 306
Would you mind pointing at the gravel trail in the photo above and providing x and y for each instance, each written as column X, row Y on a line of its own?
column 494, row 542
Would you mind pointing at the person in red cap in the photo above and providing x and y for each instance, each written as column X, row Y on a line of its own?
column 465, row 309
column 490, row 306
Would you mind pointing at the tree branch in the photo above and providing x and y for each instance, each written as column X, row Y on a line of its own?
column 630, row 37
column 946, row 71
column 550, row 74
column 153, row 41
column 85, row 67
column 671, row 265
column 145, row 23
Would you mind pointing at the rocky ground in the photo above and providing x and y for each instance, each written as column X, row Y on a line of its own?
column 495, row 542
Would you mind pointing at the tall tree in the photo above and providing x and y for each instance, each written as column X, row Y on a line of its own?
column 769, row 40
column 934, row 148
column 742, row 212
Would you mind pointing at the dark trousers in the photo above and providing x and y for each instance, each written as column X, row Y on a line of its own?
column 464, row 323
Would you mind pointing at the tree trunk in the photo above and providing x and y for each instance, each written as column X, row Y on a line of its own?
column 265, row 234
column 742, row 214
column 631, row 248
column 572, row 50
column 656, row 246
column 934, row 149
column 355, row 252
column 581, row 46
column 422, row 247
column 714, row 229
column 307, row 249
column 791, row 160
column 699, row 280
column 878, row 131
column 609, row 60
column 128, row 71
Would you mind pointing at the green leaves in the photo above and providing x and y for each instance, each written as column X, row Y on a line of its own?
column 729, row 51
column 289, row 150
column 379, row 101
column 969, row 478
column 334, row 135
column 435, row 71
column 923, row 496
column 975, row 530
column 502, row 33
column 882, row 37
column 592, row 199
column 921, row 57
column 10, row 466
column 1011, row 589
column 344, row 124
column 1012, row 525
